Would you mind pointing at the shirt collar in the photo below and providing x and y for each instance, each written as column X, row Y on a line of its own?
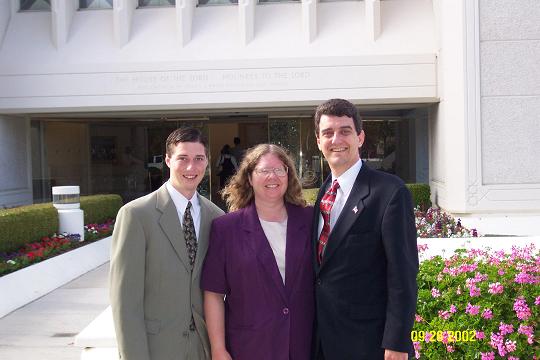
column 180, row 200
column 347, row 179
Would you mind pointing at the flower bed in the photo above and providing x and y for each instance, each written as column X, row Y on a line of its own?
column 479, row 304
column 435, row 223
column 51, row 246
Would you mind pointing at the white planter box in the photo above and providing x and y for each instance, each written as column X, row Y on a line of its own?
column 26, row 285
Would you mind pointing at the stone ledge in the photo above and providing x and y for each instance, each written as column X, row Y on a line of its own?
column 30, row 283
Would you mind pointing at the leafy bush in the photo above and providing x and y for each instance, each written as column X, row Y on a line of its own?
column 100, row 208
column 421, row 195
column 479, row 305
column 24, row 224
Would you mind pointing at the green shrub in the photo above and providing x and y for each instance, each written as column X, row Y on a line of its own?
column 98, row 208
column 25, row 224
column 310, row 195
column 421, row 195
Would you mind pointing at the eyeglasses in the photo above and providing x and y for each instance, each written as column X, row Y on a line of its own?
column 281, row 172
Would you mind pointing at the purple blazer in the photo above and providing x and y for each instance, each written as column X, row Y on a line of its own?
column 264, row 319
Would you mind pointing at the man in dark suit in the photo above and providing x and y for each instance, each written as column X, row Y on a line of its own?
column 366, row 260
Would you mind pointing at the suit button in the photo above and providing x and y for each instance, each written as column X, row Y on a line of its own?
column 285, row 311
column 319, row 282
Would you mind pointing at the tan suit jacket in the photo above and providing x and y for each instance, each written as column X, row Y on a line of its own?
column 153, row 292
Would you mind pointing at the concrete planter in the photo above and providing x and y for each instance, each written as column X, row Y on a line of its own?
column 26, row 285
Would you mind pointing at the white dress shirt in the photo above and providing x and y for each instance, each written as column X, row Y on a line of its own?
column 276, row 233
column 180, row 202
column 346, row 183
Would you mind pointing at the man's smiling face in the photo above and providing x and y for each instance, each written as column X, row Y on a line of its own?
column 187, row 162
column 339, row 142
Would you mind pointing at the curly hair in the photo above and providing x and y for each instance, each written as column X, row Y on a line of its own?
column 238, row 193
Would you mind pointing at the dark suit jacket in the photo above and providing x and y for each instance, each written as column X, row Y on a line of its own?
column 366, row 288
column 264, row 319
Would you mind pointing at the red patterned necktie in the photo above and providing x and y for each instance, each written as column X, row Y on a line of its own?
column 326, row 204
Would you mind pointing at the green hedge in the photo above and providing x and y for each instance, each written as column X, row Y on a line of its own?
column 420, row 194
column 26, row 224
column 99, row 208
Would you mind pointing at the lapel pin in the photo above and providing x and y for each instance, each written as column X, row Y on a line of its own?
column 355, row 209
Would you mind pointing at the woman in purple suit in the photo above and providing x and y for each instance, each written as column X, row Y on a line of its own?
column 257, row 276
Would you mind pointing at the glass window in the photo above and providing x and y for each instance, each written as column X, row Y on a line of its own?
column 217, row 2
column 151, row 3
column 95, row 4
column 275, row 1
column 37, row 5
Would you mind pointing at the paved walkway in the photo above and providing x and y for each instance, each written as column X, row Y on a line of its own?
column 45, row 329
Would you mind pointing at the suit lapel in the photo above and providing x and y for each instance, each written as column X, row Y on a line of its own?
column 204, row 234
column 170, row 224
column 351, row 212
column 258, row 242
column 295, row 248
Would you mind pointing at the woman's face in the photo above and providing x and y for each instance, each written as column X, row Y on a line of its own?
column 269, row 179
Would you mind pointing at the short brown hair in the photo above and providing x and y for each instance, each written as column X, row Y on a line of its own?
column 238, row 193
column 338, row 107
column 185, row 134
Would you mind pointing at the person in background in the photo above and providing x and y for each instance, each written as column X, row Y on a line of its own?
column 364, row 253
column 158, row 247
column 258, row 276
column 226, row 165
column 237, row 151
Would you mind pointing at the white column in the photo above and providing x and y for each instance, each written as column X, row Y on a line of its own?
column 246, row 10
column 184, row 19
column 122, row 18
column 5, row 16
column 62, row 12
column 309, row 19
column 373, row 19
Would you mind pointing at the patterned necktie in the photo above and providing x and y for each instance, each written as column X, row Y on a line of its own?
column 326, row 204
column 191, row 245
column 190, row 235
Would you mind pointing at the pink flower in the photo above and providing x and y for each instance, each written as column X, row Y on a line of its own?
column 435, row 293
column 417, row 348
column 480, row 335
column 497, row 342
column 522, row 309
column 472, row 309
column 513, row 358
column 510, row 345
column 453, row 309
column 418, row 318
column 428, row 336
column 458, row 290
column 506, row 328
column 488, row 356
column 500, row 272
column 474, row 291
column 527, row 331
column 537, row 301
column 449, row 348
column 444, row 314
column 487, row 314
column 496, row 288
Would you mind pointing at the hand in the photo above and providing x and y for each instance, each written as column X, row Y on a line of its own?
column 395, row 355
column 221, row 355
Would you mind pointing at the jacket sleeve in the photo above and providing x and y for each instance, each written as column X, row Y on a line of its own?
column 399, row 241
column 127, row 286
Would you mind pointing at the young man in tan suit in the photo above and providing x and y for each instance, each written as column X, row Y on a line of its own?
column 158, row 247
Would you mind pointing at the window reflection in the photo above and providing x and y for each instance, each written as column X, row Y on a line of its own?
column 217, row 2
column 37, row 5
column 151, row 3
column 95, row 4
